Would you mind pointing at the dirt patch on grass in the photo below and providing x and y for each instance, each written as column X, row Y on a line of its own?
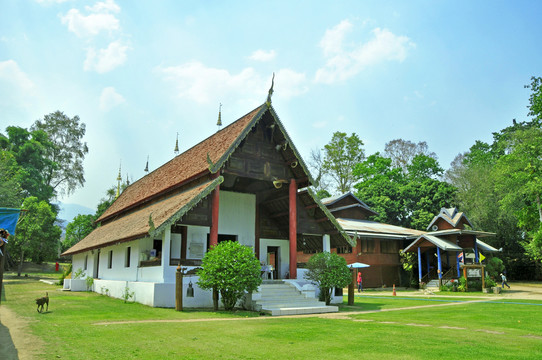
column 16, row 342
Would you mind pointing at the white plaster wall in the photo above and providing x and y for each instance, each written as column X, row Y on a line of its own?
column 118, row 271
column 155, row 294
column 237, row 216
column 284, row 253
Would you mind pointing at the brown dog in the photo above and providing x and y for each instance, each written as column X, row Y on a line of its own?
column 42, row 301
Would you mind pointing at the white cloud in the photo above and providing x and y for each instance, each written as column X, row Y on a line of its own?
column 110, row 98
column 203, row 84
column 332, row 42
column 262, row 55
column 344, row 62
column 107, row 5
column 17, row 91
column 290, row 83
column 14, row 76
column 105, row 60
column 100, row 18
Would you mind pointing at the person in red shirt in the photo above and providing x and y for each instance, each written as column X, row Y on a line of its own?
column 360, row 282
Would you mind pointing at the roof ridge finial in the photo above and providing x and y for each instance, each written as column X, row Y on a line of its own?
column 219, row 122
column 119, row 179
column 268, row 102
column 176, row 150
column 147, row 165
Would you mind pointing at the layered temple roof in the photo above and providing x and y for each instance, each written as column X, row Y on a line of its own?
column 162, row 197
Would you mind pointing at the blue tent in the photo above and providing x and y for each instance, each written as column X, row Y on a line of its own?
column 8, row 219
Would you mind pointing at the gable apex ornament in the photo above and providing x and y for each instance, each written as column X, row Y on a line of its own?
column 219, row 122
column 268, row 102
column 176, row 150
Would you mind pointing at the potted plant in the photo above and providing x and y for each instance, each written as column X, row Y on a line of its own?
column 422, row 285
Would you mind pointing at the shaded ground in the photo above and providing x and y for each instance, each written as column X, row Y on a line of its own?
column 16, row 341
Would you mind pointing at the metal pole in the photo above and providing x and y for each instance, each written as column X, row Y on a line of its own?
column 419, row 265
column 351, row 288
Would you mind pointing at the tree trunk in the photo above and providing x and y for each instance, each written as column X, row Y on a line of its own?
column 20, row 267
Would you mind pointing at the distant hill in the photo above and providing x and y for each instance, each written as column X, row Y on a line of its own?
column 69, row 211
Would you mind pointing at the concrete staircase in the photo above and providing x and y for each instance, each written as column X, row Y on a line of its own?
column 283, row 298
column 433, row 285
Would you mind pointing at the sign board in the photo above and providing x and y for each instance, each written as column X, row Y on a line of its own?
column 474, row 273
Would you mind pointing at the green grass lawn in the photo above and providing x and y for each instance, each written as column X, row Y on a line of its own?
column 489, row 330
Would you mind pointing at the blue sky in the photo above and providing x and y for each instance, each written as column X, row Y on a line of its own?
column 138, row 72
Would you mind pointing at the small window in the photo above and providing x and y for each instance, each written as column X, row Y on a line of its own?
column 367, row 246
column 86, row 262
column 388, row 247
column 344, row 250
column 221, row 238
column 127, row 258
column 110, row 259
column 310, row 251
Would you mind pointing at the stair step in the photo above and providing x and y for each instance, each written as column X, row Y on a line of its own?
column 282, row 298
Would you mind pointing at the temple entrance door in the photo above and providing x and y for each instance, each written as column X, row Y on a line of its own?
column 96, row 263
column 273, row 259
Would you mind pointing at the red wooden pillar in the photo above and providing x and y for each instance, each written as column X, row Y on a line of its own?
column 213, row 237
column 293, row 229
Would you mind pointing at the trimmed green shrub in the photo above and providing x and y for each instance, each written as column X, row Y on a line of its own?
column 328, row 271
column 231, row 269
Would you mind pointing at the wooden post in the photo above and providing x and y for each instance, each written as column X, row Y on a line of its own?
column 351, row 288
column 179, row 289
column 2, row 272
column 483, row 278
column 213, row 237
column 293, row 228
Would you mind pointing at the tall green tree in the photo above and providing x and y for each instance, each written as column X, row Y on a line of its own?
column 77, row 229
column 37, row 236
column 29, row 149
column 519, row 180
column 11, row 192
column 341, row 154
column 402, row 152
column 67, row 153
column 380, row 186
column 410, row 198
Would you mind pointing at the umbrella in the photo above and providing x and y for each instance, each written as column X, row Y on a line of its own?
column 357, row 265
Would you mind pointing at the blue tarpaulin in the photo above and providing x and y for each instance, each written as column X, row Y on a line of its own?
column 8, row 219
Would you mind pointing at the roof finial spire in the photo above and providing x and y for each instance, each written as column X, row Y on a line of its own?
column 219, row 122
column 119, row 179
column 268, row 102
column 176, row 151
column 147, row 165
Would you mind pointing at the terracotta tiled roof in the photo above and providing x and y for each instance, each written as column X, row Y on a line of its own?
column 183, row 167
column 137, row 224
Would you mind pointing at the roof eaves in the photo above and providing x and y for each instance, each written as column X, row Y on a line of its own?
column 183, row 210
column 331, row 218
column 294, row 149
